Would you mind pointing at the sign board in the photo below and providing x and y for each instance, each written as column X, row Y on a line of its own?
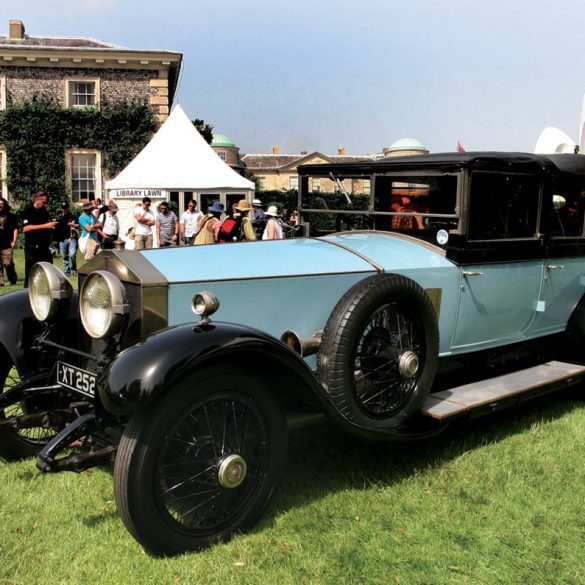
column 138, row 193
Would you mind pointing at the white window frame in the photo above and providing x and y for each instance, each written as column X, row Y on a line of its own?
column 3, row 188
column 315, row 185
column 68, row 95
column 2, row 92
column 221, row 155
column 98, row 173
column 367, row 186
column 293, row 183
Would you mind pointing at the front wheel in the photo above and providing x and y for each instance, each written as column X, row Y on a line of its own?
column 25, row 442
column 200, row 464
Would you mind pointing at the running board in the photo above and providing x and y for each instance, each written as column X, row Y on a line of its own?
column 495, row 393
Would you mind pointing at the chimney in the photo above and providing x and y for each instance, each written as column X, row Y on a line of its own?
column 16, row 30
column 275, row 149
column 304, row 152
column 341, row 151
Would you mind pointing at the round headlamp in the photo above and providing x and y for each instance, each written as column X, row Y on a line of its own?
column 205, row 304
column 48, row 289
column 103, row 304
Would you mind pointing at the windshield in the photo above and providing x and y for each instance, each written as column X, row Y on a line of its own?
column 419, row 205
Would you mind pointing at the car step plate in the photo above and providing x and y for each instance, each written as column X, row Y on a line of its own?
column 490, row 393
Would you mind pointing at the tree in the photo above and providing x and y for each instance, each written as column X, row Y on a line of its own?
column 206, row 130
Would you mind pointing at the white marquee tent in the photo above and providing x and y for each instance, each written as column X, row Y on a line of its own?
column 176, row 160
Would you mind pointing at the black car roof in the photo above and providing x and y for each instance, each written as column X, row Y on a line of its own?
column 553, row 164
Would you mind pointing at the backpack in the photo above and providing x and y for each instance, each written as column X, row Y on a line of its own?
column 230, row 230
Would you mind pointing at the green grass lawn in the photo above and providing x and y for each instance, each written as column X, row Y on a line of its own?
column 499, row 500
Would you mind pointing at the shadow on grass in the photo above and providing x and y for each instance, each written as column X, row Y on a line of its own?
column 322, row 460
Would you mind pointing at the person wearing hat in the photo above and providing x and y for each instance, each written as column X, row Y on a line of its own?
column 273, row 229
column 244, row 208
column 258, row 218
column 110, row 223
column 66, row 235
column 38, row 227
column 89, row 241
column 209, row 225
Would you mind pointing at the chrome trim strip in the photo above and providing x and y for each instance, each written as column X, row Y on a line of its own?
column 365, row 258
column 271, row 277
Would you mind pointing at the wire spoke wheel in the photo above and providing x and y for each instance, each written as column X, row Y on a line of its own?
column 379, row 351
column 381, row 384
column 201, row 463
column 19, row 443
column 195, row 487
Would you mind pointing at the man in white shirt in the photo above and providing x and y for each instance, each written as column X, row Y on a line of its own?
column 110, row 229
column 145, row 219
column 189, row 222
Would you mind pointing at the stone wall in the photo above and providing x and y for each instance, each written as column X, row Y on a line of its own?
column 23, row 83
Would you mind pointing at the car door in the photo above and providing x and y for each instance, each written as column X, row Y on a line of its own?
column 502, row 271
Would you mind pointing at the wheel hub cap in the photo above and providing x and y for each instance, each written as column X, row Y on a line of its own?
column 408, row 364
column 231, row 471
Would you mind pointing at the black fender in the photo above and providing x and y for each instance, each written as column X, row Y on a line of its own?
column 18, row 328
column 143, row 373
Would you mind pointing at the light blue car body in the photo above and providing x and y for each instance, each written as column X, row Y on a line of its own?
column 295, row 284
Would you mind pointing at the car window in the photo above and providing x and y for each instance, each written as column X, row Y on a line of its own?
column 503, row 206
column 414, row 200
column 568, row 209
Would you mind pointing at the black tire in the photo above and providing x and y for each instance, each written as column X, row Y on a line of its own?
column 18, row 444
column 380, row 331
column 173, row 462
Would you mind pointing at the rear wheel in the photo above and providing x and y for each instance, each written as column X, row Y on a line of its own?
column 200, row 464
column 18, row 443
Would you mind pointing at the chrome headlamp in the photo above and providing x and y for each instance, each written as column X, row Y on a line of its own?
column 205, row 304
column 102, row 305
column 48, row 289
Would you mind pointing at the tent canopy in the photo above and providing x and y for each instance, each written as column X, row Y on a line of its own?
column 178, row 158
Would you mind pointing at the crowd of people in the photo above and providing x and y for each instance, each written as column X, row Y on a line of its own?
column 98, row 227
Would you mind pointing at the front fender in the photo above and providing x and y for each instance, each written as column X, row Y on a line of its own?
column 143, row 372
column 18, row 328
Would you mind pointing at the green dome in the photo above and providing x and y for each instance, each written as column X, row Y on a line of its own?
column 407, row 144
column 222, row 140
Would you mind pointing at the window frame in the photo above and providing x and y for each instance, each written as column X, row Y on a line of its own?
column 3, row 166
column 98, row 173
column 3, row 92
column 68, row 94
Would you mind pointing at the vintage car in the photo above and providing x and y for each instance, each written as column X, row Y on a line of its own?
column 443, row 287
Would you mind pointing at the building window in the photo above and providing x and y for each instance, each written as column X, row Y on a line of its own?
column 3, row 190
column 2, row 92
column 85, row 175
column 221, row 155
column 82, row 93
column 293, row 183
column 261, row 182
column 367, row 186
column 316, row 184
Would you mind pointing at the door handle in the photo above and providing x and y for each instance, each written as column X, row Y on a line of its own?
column 472, row 273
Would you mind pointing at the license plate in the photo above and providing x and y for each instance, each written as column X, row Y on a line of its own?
column 76, row 379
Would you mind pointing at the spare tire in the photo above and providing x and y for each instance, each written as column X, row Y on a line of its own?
column 379, row 351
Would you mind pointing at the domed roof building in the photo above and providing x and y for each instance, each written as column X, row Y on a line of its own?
column 404, row 147
column 227, row 150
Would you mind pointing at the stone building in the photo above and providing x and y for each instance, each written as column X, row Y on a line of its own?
column 81, row 72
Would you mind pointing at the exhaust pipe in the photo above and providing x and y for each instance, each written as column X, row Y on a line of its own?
column 303, row 347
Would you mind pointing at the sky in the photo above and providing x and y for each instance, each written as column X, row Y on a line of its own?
column 323, row 74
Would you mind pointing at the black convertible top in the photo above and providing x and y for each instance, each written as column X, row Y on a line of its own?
column 553, row 164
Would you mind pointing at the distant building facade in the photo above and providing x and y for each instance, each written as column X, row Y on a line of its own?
column 78, row 73
column 279, row 171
